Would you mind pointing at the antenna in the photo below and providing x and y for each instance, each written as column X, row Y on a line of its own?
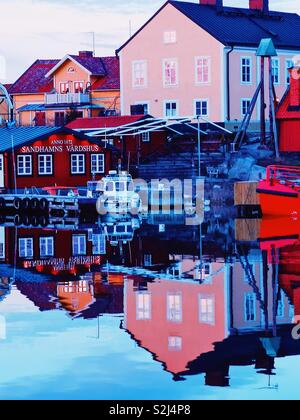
column 130, row 28
column 94, row 43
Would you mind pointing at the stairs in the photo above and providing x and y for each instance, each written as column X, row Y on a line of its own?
column 183, row 165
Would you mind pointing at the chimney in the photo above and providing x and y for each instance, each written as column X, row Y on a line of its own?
column 86, row 54
column 262, row 5
column 217, row 3
column 294, row 86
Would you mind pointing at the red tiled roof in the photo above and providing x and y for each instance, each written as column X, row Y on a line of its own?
column 112, row 78
column 103, row 122
column 34, row 80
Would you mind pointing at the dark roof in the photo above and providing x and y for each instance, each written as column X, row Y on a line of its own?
column 34, row 80
column 92, row 64
column 27, row 135
column 241, row 27
column 111, row 80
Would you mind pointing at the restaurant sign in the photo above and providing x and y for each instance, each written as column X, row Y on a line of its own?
column 60, row 146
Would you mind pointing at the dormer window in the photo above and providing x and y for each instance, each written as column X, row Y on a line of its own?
column 71, row 70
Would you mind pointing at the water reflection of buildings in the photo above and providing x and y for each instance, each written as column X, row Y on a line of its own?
column 192, row 317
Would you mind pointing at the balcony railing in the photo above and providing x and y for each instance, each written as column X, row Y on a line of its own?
column 66, row 98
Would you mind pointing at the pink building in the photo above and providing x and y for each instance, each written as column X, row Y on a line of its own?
column 200, row 59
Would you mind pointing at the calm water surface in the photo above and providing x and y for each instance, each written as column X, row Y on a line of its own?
column 138, row 309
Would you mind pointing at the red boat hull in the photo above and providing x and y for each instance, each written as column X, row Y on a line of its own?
column 278, row 200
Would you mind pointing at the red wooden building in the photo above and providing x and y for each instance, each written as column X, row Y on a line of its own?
column 48, row 156
column 132, row 147
column 288, row 115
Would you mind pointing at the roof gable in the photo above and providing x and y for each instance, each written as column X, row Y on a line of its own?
column 238, row 26
column 92, row 65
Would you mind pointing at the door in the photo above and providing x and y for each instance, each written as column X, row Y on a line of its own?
column 1, row 171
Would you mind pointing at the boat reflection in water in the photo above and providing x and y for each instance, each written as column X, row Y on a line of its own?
column 198, row 303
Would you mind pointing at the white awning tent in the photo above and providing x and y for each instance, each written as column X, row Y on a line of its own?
column 150, row 124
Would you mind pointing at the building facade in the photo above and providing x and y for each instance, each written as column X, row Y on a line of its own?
column 54, row 92
column 200, row 59
column 45, row 156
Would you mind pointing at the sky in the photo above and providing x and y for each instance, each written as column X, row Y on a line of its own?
column 32, row 29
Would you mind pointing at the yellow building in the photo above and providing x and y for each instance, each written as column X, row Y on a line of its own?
column 54, row 92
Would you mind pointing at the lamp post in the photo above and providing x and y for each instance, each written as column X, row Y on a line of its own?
column 199, row 147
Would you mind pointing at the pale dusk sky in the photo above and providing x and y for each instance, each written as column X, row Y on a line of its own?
column 32, row 29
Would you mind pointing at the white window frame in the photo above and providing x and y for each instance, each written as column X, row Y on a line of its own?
column 64, row 83
column 174, row 343
column 134, row 78
column 26, row 247
column 251, row 70
column 245, row 306
column 197, row 81
column 48, row 240
column 175, row 61
column 277, row 61
column 289, row 62
column 45, row 165
column 174, row 314
column 243, row 100
column 144, row 310
column 81, row 249
column 204, row 317
column 99, row 244
column 74, row 84
column 175, row 101
column 100, row 170
column 207, row 106
column 145, row 137
column 170, row 37
column 77, row 155
column 23, row 158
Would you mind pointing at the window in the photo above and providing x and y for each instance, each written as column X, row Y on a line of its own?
column 174, row 307
column 59, row 119
column 47, row 247
column 276, row 71
column 77, row 164
column 144, row 107
column 201, row 107
column 202, row 69
column 147, row 260
column 146, row 137
column 280, row 307
column 24, row 165
column 97, row 164
column 246, row 70
column 64, row 87
column 79, row 245
column 250, row 307
column 175, row 343
column 143, row 306
column 45, row 163
column 99, row 244
column 171, row 109
column 78, row 87
column 245, row 106
column 170, row 72
column 139, row 74
column 25, row 247
column 288, row 64
column 206, row 309
column 170, row 37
